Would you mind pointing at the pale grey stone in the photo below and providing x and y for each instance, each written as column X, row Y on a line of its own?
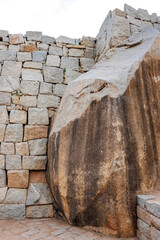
column 142, row 199
column 65, row 51
column 55, row 50
column 148, row 24
column 41, row 211
column 156, row 26
column 53, row 61
column 158, row 19
column 42, row 47
column 144, row 228
column 2, row 162
column 53, row 74
column 153, row 207
column 48, row 101
column 34, row 65
column 3, row 114
column 12, row 211
column 24, row 56
column 34, row 162
column 155, row 234
column 9, row 83
column 70, row 62
column 134, row 29
column 60, row 89
column 32, row 75
column 88, row 41
column 130, row 10
column 8, row 55
column 11, row 69
column 45, row 88
column 3, row 192
column 35, row 36
column 30, row 87
column 7, row 148
column 154, row 18
column 38, row 116
column 76, row 52
column 4, row 33
column 47, row 39
column 13, row 162
column 89, row 52
column 2, row 131
column 14, row 133
column 6, row 39
column 87, row 64
column 14, row 48
column 38, row 147
column 143, row 14
column 2, row 179
column 63, row 39
column 71, row 75
column 18, row 116
column 39, row 193
column 39, row 56
column 28, row 101
column 134, row 21
column 5, row 98
column 16, row 196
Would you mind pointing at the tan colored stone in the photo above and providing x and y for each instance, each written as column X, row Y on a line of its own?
column 28, row 48
column 2, row 131
column 76, row 52
column 2, row 178
column 3, row 192
column 143, row 215
column 41, row 211
column 32, row 132
column 5, row 98
column 34, row 162
column 37, row 177
column 18, row 178
column 2, row 162
column 3, row 114
column 16, row 39
column 88, row 41
column 7, row 148
column 22, row 148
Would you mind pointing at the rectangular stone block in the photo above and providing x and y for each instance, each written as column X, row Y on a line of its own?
column 28, row 101
column 142, row 199
column 5, row 98
column 48, row 101
column 86, row 64
column 3, row 192
column 30, row 87
column 48, row 39
column 13, row 162
column 67, row 40
column 2, row 162
column 32, row 75
column 153, row 207
column 14, row 133
column 34, row 35
column 53, row 74
column 2, row 131
column 88, row 41
column 4, row 33
column 2, row 178
column 38, row 116
column 8, row 55
column 37, row 177
column 7, row 148
column 14, row 48
column 24, row 56
column 16, row 38
column 155, row 222
column 38, row 147
column 155, row 234
column 143, row 215
column 41, row 211
column 46, row 88
column 70, row 63
column 32, row 132
column 3, row 114
column 34, row 162
column 76, row 52
column 9, row 83
column 16, row 196
column 12, row 211
column 53, row 61
column 42, row 46
column 12, row 69
column 22, row 149
column 60, row 89
column 71, row 75
column 33, row 65
column 55, row 50
column 18, row 116
column 89, row 53
column 29, row 47
column 39, row 56
column 144, row 228
column 18, row 178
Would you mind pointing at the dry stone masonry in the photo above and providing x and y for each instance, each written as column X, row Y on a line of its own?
column 34, row 72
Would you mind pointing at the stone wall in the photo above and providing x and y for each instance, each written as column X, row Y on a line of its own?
column 34, row 72
column 148, row 212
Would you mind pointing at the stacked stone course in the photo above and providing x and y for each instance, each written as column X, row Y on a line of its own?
column 34, row 73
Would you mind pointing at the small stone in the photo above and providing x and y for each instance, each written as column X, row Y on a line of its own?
column 86, row 64
column 134, row 29
column 5, row 99
column 28, row 101
column 28, row 47
column 12, row 211
column 88, row 41
column 39, row 56
column 18, row 178
column 3, row 114
column 89, row 52
column 15, row 195
column 29, row 87
column 155, row 234
column 35, row 36
column 156, row 26
column 18, row 116
column 16, row 39
column 71, row 75
column 7, row 148
column 9, row 83
column 45, row 88
column 42, row 211
column 119, row 12
column 3, row 47
column 33, row 65
column 70, row 63
column 45, row 101
column 4, row 33
column 65, row 51
column 38, row 147
column 63, row 39
column 53, row 74
column 143, row 14
column 154, row 18
column 2, row 162
column 37, row 177
column 53, row 61
column 2, row 131
column 2, row 178
column 34, row 162
column 153, row 207
column 7, row 55
column 42, row 47
column 155, row 222
column 76, row 52
column 22, row 149
column 130, row 10
column 24, row 56
column 144, row 228
column 48, row 40
column 60, row 89
column 16, row 99
column 38, row 116
column 32, row 132
column 14, row 48
column 12, row 69
column 13, row 162
column 3, row 192
column 55, row 51
column 14, row 133
column 142, row 199
column 32, row 75
column 143, row 215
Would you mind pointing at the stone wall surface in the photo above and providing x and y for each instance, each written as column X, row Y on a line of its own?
column 34, row 73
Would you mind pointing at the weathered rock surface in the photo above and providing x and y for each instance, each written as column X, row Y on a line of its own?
column 104, row 140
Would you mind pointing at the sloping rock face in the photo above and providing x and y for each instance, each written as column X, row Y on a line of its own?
column 104, row 142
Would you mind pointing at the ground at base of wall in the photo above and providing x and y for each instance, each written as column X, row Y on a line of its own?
column 46, row 229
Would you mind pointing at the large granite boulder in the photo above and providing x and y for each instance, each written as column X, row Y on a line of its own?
column 104, row 142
